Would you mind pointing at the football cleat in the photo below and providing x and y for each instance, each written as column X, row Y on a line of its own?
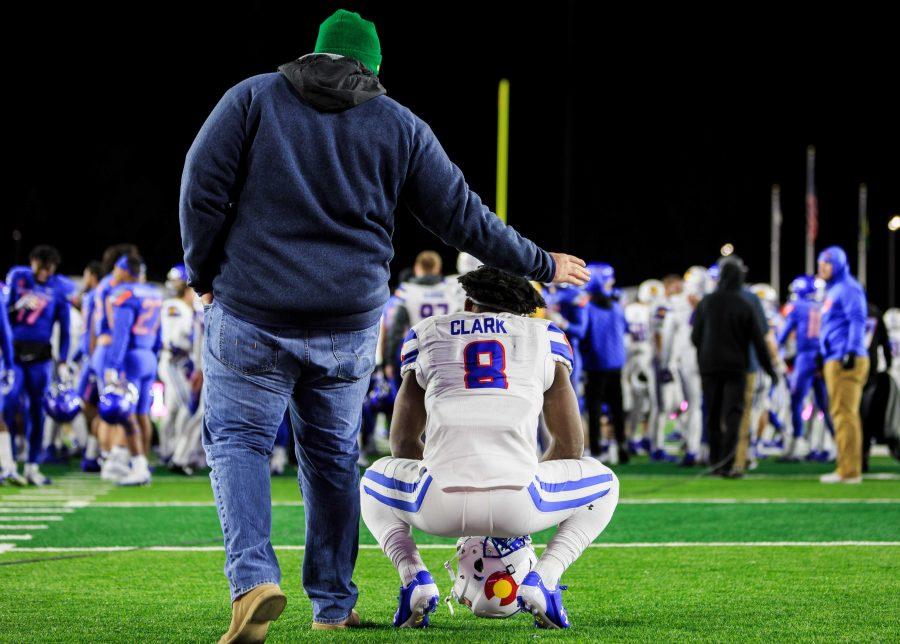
column 417, row 601
column 12, row 477
column 138, row 475
column 90, row 465
column 688, row 460
column 545, row 605
column 35, row 477
column 662, row 456
column 113, row 470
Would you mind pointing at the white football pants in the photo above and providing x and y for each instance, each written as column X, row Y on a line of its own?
column 579, row 496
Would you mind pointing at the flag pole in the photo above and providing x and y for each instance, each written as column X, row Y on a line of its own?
column 812, row 210
column 862, row 244
column 502, row 147
column 775, row 243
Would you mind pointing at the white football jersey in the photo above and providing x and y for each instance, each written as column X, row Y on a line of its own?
column 424, row 300
column 177, row 326
column 680, row 350
column 456, row 293
column 484, row 376
column 637, row 317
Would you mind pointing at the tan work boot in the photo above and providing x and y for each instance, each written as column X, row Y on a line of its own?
column 352, row 621
column 251, row 614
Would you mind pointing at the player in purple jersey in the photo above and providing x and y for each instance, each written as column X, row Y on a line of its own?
column 36, row 303
column 134, row 311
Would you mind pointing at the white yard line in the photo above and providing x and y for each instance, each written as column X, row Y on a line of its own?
column 448, row 546
column 753, row 501
column 15, row 537
column 51, row 517
column 696, row 501
column 23, row 526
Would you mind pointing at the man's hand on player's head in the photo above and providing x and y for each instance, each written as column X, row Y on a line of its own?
column 570, row 270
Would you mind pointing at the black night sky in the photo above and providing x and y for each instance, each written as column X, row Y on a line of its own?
column 678, row 124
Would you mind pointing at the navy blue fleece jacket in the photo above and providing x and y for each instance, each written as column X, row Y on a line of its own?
column 289, row 192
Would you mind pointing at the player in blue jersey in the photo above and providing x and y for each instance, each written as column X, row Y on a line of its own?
column 36, row 303
column 8, row 471
column 89, row 381
column 568, row 310
column 114, row 456
column 803, row 318
column 134, row 311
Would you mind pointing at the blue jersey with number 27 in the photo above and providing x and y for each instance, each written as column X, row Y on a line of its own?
column 135, row 321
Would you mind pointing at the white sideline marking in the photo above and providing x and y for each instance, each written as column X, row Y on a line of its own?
column 32, row 518
column 698, row 501
column 450, row 546
column 24, row 526
column 57, row 498
column 34, row 510
column 15, row 537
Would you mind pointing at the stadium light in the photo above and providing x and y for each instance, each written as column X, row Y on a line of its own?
column 894, row 223
column 727, row 250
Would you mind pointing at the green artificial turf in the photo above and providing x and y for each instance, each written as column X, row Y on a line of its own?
column 641, row 594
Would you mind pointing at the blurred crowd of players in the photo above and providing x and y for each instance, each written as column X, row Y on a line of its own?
column 107, row 368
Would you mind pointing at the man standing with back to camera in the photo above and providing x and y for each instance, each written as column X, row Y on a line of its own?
column 287, row 212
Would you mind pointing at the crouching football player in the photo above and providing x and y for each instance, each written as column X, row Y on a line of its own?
column 475, row 383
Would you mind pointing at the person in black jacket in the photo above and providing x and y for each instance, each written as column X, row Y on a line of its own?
column 725, row 326
column 878, row 386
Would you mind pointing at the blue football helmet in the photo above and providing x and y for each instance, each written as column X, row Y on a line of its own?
column 602, row 275
column 803, row 287
column 117, row 402
column 61, row 402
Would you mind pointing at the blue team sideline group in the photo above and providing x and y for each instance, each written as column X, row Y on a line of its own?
column 84, row 365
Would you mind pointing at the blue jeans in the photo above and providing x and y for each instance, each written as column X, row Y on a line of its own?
column 252, row 374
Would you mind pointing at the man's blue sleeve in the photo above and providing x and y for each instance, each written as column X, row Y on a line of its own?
column 436, row 192
column 62, row 316
column 853, row 301
column 208, row 183
column 123, row 319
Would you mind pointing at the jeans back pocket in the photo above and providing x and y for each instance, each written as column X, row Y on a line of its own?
column 355, row 353
column 241, row 345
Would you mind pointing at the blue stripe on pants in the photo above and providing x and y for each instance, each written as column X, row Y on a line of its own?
column 554, row 506
column 406, row 506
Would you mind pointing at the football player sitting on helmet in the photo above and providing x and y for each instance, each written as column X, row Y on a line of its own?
column 475, row 382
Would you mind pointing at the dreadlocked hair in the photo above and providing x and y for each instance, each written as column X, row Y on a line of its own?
column 500, row 291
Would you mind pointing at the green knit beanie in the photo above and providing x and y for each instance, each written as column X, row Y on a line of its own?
column 348, row 34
